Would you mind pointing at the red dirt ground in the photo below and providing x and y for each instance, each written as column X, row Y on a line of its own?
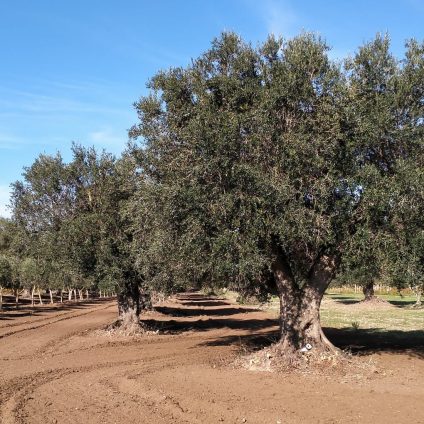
column 55, row 368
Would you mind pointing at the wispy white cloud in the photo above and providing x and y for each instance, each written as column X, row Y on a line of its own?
column 30, row 102
column 4, row 201
column 106, row 137
column 10, row 141
column 279, row 16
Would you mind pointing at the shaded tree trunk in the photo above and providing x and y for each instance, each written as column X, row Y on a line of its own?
column 129, row 303
column 368, row 290
column 32, row 295
column 51, row 297
column 1, row 298
column 418, row 291
column 300, row 325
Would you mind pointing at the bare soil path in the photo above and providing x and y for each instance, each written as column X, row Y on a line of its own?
column 56, row 368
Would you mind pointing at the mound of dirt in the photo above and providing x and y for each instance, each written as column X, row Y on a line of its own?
column 340, row 363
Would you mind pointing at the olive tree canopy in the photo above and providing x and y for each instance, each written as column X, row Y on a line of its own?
column 260, row 164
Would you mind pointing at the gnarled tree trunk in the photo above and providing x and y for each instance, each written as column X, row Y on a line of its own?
column 300, row 326
column 368, row 290
column 418, row 290
column 129, row 304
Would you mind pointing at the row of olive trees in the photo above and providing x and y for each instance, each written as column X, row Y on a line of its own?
column 58, row 237
column 267, row 170
column 25, row 274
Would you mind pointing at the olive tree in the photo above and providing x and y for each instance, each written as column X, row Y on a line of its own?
column 259, row 165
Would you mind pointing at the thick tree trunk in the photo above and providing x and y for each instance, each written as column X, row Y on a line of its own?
column 300, row 326
column 368, row 290
column 32, row 295
column 87, row 294
column 39, row 297
column 51, row 297
column 129, row 304
column 418, row 290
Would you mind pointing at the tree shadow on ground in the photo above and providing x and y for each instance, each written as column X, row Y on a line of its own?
column 345, row 300
column 193, row 312
column 402, row 303
column 196, row 297
column 361, row 342
column 177, row 327
column 354, row 300
column 10, row 312
column 259, row 333
column 205, row 303
column 375, row 340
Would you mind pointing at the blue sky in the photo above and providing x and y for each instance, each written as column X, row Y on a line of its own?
column 71, row 70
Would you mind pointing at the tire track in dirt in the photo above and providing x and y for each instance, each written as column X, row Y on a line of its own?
column 181, row 376
column 19, row 390
column 47, row 309
column 53, row 320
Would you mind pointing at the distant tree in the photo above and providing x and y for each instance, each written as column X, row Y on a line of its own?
column 405, row 264
column 364, row 261
column 258, row 166
column 5, row 276
column 71, row 213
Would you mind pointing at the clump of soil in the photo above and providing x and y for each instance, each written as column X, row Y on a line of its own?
column 373, row 302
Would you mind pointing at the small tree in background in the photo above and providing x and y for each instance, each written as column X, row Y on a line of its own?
column 5, row 276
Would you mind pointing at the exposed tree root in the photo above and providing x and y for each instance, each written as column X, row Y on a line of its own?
column 127, row 326
column 374, row 300
column 272, row 359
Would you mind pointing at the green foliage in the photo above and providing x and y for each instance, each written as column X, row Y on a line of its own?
column 250, row 148
column 247, row 160
column 70, row 216
column 5, row 272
